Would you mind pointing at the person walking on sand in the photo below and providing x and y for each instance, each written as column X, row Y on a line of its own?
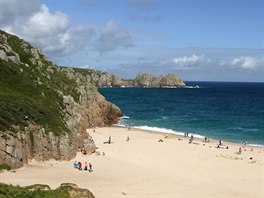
column 127, row 138
column 90, row 167
column 109, row 140
column 85, row 166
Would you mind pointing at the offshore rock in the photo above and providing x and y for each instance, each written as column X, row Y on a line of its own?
column 104, row 79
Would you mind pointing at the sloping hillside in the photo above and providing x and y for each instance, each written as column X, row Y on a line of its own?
column 44, row 109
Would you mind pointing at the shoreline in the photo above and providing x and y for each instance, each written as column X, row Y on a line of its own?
column 146, row 167
column 181, row 134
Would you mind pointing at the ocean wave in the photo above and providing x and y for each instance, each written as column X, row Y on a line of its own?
column 124, row 117
column 256, row 145
column 164, row 130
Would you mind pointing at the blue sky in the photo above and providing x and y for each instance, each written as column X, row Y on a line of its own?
column 216, row 40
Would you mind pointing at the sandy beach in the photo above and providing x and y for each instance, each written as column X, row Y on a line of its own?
column 143, row 167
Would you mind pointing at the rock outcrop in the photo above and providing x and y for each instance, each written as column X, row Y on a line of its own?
column 44, row 109
column 104, row 79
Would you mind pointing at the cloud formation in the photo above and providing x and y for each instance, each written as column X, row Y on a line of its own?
column 14, row 11
column 48, row 31
column 248, row 63
column 191, row 65
column 112, row 37
column 53, row 33
column 188, row 61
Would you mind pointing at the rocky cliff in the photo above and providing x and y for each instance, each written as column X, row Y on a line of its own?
column 45, row 109
column 104, row 79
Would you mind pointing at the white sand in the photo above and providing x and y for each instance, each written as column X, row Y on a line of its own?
column 146, row 168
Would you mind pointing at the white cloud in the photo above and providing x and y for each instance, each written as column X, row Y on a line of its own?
column 190, row 60
column 186, row 62
column 53, row 33
column 247, row 63
column 44, row 23
column 112, row 37
column 49, row 31
column 15, row 10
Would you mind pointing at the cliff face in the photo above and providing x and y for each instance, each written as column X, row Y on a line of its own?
column 45, row 109
column 104, row 79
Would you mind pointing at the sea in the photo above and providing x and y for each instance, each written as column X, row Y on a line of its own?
column 227, row 111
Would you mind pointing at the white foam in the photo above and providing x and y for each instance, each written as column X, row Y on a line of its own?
column 124, row 117
column 256, row 145
column 120, row 125
column 155, row 129
column 192, row 87
column 164, row 130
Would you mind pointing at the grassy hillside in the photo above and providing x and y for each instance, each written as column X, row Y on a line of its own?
column 29, row 93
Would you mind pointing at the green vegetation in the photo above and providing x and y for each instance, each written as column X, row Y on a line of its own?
column 42, row 191
column 89, row 72
column 9, row 191
column 5, row 167
column 30, row 93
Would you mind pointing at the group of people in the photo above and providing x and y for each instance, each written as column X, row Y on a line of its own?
column 78, row 165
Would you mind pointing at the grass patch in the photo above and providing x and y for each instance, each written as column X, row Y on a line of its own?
column 5, row 167
column 43, row 191
column 9, row 191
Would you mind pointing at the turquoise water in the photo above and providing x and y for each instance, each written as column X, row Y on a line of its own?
column 227, row 111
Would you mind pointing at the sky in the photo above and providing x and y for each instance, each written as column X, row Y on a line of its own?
column 200, row 40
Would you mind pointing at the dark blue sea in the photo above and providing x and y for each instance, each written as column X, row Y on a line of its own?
column 219, row 110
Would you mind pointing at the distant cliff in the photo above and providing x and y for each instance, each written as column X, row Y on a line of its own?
column 45, row 109
column 104, row 79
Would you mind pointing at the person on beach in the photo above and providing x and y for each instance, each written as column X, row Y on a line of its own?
column 128, row 128
column 191, row 139
column 85, row 166
column 240, row 150
column 80, row 166
column 220, row 142
column 75, row 164
column 127, row 138
column 90, row 167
